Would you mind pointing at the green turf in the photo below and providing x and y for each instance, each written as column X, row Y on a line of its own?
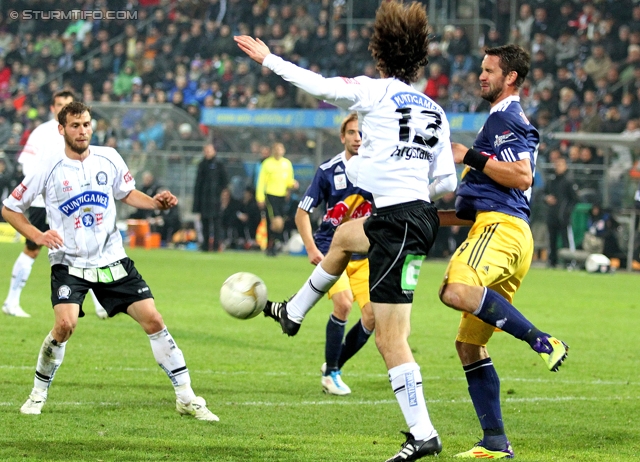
column 111, row 402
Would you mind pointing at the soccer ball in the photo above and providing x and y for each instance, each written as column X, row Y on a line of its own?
column 243, row 295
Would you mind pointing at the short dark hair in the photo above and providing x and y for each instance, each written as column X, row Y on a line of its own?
column 512, row 58
column 400, row 40
column 62, row 94
column 75, row 108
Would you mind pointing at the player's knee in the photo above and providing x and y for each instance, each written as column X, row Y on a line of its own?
column 367, row 318
column 152, row 322
column 342, row 308
column 63, row 329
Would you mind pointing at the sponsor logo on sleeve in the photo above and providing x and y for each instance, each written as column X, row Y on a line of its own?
column 19, row 191
column 128, row 177
column 505, row 137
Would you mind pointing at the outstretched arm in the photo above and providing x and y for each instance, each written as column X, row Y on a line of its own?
column 256, row 49
column 340, row 91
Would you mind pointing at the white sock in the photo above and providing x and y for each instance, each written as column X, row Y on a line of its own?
column 170, row 359
column 406, row 382
column 310, row 293
column 49, row 360
column 19, row 275
column 97, row 304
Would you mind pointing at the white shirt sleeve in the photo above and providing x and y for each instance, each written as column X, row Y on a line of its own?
column 341, row 91
column 32, row 186
column 442, row 185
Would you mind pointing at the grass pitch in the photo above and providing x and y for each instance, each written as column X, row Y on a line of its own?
column 111, row 402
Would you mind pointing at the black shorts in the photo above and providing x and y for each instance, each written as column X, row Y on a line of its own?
column 400, row 237
column 38, row 218
column 275, row 206
column 114, row 296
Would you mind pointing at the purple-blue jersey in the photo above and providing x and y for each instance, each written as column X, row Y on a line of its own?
column 343, row 201
column 507, row 136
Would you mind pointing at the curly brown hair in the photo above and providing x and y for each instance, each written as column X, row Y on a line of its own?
column 400, row 39
column 75, row 108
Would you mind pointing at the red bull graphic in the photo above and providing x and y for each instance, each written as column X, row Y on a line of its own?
column 354, row 206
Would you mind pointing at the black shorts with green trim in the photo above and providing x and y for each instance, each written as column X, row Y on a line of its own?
column 400, row 237
column 114, row 295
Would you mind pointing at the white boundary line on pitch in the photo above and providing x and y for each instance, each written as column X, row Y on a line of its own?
column 354, row 374
column 341, row 402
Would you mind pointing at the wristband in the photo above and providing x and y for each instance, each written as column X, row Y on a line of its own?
column 475, row 160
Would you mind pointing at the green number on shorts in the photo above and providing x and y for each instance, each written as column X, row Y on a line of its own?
column 411, row 271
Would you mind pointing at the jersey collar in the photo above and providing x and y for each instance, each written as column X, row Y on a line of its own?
column 502, row 105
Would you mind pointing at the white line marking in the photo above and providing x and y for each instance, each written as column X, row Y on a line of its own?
column 340, row 402
column 349, row 374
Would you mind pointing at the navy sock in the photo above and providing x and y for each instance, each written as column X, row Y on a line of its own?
column 333, row 345
column 355, row 339
column 497, row 311
column 484, row 389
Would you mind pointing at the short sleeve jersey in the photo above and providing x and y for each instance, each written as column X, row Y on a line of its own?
column 343, row 201
column 79, row 198
column 507, row 136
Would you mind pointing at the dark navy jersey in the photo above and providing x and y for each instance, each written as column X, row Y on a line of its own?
column 343, row 201
column 507, row 136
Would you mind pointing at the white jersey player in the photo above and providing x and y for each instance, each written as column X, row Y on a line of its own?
column 80, row 185
column 43, row 140
column 405, row 161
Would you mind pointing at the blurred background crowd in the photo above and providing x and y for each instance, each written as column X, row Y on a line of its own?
column 585, row 74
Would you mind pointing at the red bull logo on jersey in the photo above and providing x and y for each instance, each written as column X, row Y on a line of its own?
column 505, row 137
column 354, row 206
column 82, row 200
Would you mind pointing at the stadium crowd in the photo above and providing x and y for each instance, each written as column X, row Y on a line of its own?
column 585, row 65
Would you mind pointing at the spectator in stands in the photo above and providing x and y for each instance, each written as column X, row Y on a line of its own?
column 541, row 23
column 123, row 83
column 613, row 122
column 542, row 41
column 436, row 80
column 211, row 179
column 591, row 120
column 582, row 81
column 248, row 219
column 229, row 209
column 266, row 96
column 340, row 63
column 598, row 64
column 524, row 24
column 560, row 195
column 459, row 44
column 436, row 57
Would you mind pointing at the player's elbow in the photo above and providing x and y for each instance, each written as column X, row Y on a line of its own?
column 525, row 181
